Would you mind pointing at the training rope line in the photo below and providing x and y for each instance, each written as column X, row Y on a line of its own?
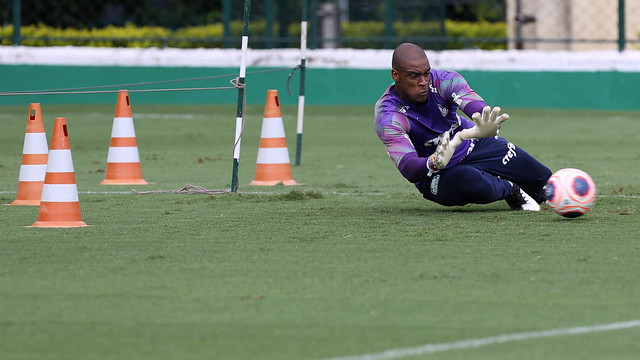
column 289, row 78
column 113, row 91
column 187, row 189
column 93, row 89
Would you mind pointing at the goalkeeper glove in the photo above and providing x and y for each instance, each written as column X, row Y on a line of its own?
column 440, row 158
column 486, row 125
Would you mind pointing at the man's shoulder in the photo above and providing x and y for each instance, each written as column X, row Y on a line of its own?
column 389, row 102
column 444, row 75
column 390, row 111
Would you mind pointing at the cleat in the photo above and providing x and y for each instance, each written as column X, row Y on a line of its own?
column 520, row 200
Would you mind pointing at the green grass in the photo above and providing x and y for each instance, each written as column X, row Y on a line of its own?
column 353, row 262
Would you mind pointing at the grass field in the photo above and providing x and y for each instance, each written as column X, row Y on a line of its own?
column 354, row 262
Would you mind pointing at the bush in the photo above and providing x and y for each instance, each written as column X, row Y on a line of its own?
column 362, row 34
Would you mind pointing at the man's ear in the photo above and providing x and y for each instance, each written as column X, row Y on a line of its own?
column 394, row 75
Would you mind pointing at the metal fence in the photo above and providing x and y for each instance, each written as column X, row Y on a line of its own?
column 439, row 24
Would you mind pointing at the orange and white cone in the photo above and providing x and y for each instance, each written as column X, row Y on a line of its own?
column 273, row 166
column 123, row 160
column 34, row 159
column 59, row 204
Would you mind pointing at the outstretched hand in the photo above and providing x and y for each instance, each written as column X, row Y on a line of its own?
column 445, row 150
column 486, row 125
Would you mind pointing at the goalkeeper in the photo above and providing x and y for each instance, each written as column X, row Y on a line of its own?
column 451, row 160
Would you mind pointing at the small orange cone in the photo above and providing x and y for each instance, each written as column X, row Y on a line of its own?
column 123, row 160
column 273, row 166
column 34, row 159
column 59, row 205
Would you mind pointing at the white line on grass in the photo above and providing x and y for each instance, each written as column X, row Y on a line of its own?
column 620, row 196
column 473, row 343
column 275, row 193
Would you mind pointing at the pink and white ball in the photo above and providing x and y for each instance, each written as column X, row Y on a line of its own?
column 570, row 192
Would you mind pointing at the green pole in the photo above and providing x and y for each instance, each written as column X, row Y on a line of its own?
column 313, row 24
column 17, row 16
column 388, row 24
column 621, row 26
column 269, row 30
column 226, row 20
column 443, row 17
column 303, row 61
column 240, row 107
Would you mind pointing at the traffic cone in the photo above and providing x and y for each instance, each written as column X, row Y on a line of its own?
column 273, row 166
column 34, row 159
column 59, row 205
column 123, row 161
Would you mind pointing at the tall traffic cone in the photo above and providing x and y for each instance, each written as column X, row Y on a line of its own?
column 273, row 166
column 34, row 159
column 123, row 161
column 59, row 205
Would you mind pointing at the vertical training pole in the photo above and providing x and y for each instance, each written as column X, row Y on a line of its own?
column 303, row 61
column 621, row 28
column 240, row 108
column 226, row 24
column 17, row 23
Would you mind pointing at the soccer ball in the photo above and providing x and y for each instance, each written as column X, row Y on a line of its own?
column 570, row 192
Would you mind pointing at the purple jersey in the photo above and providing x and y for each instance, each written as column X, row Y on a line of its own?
column 411, row 133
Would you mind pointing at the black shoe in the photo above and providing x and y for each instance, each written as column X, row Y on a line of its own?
column 520, row 200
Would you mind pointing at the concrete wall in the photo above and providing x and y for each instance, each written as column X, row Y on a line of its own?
column 532, row 79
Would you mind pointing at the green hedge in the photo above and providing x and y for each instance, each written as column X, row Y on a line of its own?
column 363, row 34
column 457, row 34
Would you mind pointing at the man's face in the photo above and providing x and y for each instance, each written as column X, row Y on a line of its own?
column 412, row 80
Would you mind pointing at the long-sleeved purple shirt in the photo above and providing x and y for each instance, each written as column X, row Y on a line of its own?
column 411, row 133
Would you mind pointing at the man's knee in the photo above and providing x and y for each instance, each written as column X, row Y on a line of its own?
column 465, row 190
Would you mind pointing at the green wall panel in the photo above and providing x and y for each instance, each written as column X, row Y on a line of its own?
column 591, row 90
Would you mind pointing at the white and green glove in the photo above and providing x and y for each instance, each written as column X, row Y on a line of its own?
column 486, row 125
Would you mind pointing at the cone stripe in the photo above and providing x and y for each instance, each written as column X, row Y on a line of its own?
column 123, row 142
column 273, row 156
column 127, row 173
column 60, row 178
column 272, row 128
column 32, row 172
column 60, row 161
column 35, row 159
column 59, row 193
column 29, row 191
column 267, row 172
column 59, row 214
column 123, row 155
column 273, row 143
column 35, row 143
column 123, row 127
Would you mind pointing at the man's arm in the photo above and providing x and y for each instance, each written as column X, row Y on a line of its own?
column 393, row 130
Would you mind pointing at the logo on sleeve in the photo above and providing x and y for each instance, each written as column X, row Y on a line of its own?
column 456, row 99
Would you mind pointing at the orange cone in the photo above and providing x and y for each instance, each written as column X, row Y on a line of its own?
column 123, row 161
column 59, row 205
column 34, row 159
column 273, row 166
